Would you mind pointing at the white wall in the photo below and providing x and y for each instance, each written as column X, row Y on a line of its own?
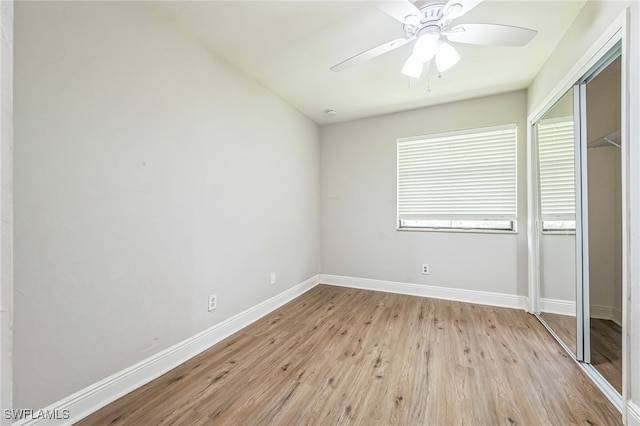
column 594, row 18
column 148, row 174
column 589, row 25
column 634, row 205
column 6, row 206
column 358, row 173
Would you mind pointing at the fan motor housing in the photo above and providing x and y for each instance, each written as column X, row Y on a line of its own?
column 432, row 14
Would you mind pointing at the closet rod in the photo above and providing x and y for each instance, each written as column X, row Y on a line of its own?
column 611, row 142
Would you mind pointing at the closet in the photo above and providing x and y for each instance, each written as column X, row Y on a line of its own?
column 577, row 149
column 604, row 204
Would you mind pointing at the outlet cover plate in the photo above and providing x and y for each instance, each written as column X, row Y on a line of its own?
column 213, row 302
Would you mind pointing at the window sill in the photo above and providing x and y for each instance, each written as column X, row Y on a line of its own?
column 459, row 230
column 558, row 232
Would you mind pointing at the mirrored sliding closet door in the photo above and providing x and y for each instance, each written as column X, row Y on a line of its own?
column 577, row 146
column 604, row 224
column 557, row 220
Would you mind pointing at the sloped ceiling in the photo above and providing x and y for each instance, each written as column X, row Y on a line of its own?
column 289, row 47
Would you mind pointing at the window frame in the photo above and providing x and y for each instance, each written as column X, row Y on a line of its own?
column 510, row 224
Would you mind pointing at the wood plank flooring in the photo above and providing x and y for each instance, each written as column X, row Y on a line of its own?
column 606, row 350
column 344, row 356
column 606, row 344
column 564, row 326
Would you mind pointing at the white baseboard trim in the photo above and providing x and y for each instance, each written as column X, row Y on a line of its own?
column 607, row 313
column 447, row 293
column 90, row 399
column 558, row 306
column 633, row 414
column 568, row 307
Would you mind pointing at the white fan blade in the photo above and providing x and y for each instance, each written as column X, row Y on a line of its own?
column 491, row 35
column 399, row 9
column 371, row 53
column 456, row 8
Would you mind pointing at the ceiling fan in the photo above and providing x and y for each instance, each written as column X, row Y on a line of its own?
column 429, row 27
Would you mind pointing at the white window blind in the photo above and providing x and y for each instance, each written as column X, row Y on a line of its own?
column 466, row 176
column 556, row 152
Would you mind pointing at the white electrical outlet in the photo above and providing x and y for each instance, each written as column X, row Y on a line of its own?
column 425, row 269
column 213, row 302
column 273, row 278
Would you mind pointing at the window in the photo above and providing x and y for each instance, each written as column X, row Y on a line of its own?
column 458, row 180
column 557, row 174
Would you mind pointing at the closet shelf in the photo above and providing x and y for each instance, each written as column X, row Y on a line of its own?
column 612, row 139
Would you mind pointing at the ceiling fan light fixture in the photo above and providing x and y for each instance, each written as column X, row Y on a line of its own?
column 446, row 57
column 426, row 47
column 413, row 67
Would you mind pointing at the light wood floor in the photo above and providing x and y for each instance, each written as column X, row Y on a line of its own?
column 343, row 356
column 606, row 350
column 606, row 344
column 564, row 326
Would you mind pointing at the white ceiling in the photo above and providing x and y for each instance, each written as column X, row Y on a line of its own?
column 288, row 46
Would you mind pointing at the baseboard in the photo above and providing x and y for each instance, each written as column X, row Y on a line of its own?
column 607, row 313
column 447, row 293
column 633, row 414
column 617, row 316
column 567, row 307
column 558, row 306
column 90, row 399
